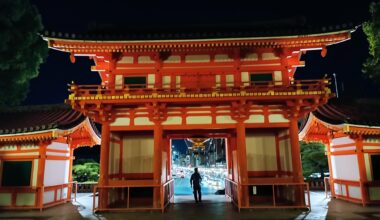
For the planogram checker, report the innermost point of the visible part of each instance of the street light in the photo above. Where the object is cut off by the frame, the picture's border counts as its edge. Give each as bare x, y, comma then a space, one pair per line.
336, 86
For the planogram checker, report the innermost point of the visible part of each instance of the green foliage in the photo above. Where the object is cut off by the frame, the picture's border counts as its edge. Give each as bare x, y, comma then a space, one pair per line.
85, 171
372, 29
21, 49
313, 158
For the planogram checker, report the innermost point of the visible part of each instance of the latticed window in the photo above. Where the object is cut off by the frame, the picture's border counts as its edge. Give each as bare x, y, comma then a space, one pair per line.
16, 173
261, 78
135, 81
375, 166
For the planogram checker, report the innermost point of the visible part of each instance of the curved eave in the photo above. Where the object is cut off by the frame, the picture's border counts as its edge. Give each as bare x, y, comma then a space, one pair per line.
311, 41
361, 129
45, 135
313, 121
91, 137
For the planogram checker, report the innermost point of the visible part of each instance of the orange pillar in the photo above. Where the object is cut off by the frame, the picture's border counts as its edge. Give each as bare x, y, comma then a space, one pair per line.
157, 163
242, 162
296, 161
104, 163
41, 173
331, 179
70, 189
229, 157
296, 152
278, 156
362, 170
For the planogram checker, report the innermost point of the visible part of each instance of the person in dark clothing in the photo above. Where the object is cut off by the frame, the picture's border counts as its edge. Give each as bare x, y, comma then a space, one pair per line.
195, 182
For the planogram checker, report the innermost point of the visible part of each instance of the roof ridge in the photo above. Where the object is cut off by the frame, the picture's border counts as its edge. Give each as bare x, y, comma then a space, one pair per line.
34, 108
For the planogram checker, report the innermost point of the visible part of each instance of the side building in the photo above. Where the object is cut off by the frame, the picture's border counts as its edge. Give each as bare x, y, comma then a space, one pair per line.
351, 134
226, 83
36, 154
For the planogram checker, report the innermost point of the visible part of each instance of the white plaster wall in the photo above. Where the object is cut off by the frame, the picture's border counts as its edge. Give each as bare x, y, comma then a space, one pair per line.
166, 81
345, 167
374, 193
337, 189
173, 59
56, 172
35, 172
342, 140
25, 199
222, 58
251, 57
285, 155
48, 197
114, 154
355, 192
119, 81
277, 118
151, 80
58, 146
126, 59
138, 154
173, 120
367, 166
198, 120
224, 119
261, 152
5, 199
143, 121
144, 59
121, 122
255, 119
197, 58
269, 56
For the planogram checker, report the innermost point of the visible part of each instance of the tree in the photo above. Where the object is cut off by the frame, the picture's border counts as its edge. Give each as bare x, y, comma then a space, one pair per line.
85, 171
313, 158
372, 29
22, 50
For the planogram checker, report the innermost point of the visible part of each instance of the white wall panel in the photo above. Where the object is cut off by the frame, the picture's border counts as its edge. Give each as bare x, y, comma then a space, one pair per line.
345, 167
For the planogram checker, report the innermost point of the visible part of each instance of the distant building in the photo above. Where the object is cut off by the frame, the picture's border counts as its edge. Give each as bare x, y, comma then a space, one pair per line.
36, 154
351, 133
234, 82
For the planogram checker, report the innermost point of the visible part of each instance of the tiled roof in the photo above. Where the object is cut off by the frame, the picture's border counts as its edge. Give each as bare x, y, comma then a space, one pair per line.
367, 113
287, 27
27, 119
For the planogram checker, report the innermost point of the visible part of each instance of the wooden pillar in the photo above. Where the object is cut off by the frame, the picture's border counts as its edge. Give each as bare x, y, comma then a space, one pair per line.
168, 144
41, 172
331, 179
242, 160
295, 150
229, 157
362, 169
71, 158
157, 163
104, 163
299, 194
278, 156
121, 158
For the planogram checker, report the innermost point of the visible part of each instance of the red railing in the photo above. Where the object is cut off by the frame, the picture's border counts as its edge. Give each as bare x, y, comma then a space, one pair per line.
276, 201
148, 90
39, 192
123, 201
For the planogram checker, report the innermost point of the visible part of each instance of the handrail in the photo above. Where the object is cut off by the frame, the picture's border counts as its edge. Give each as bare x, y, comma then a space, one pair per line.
274, 202
166, 89
132, 185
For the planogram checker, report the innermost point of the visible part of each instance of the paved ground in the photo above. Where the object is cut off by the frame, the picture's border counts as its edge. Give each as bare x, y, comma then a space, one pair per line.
213, 207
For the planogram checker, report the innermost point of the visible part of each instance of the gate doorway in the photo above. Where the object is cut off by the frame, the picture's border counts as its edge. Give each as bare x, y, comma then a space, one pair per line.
208, 154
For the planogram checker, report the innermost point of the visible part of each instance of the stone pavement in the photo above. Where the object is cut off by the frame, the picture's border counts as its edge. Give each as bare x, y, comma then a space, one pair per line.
213, 207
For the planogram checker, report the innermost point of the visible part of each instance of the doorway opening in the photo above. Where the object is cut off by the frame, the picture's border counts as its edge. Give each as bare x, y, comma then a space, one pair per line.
208, 154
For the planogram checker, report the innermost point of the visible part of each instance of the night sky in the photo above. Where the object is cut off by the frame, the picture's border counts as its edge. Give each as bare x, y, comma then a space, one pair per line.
344, 59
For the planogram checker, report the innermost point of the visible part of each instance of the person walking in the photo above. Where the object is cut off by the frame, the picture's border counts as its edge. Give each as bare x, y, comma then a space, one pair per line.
195, 183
